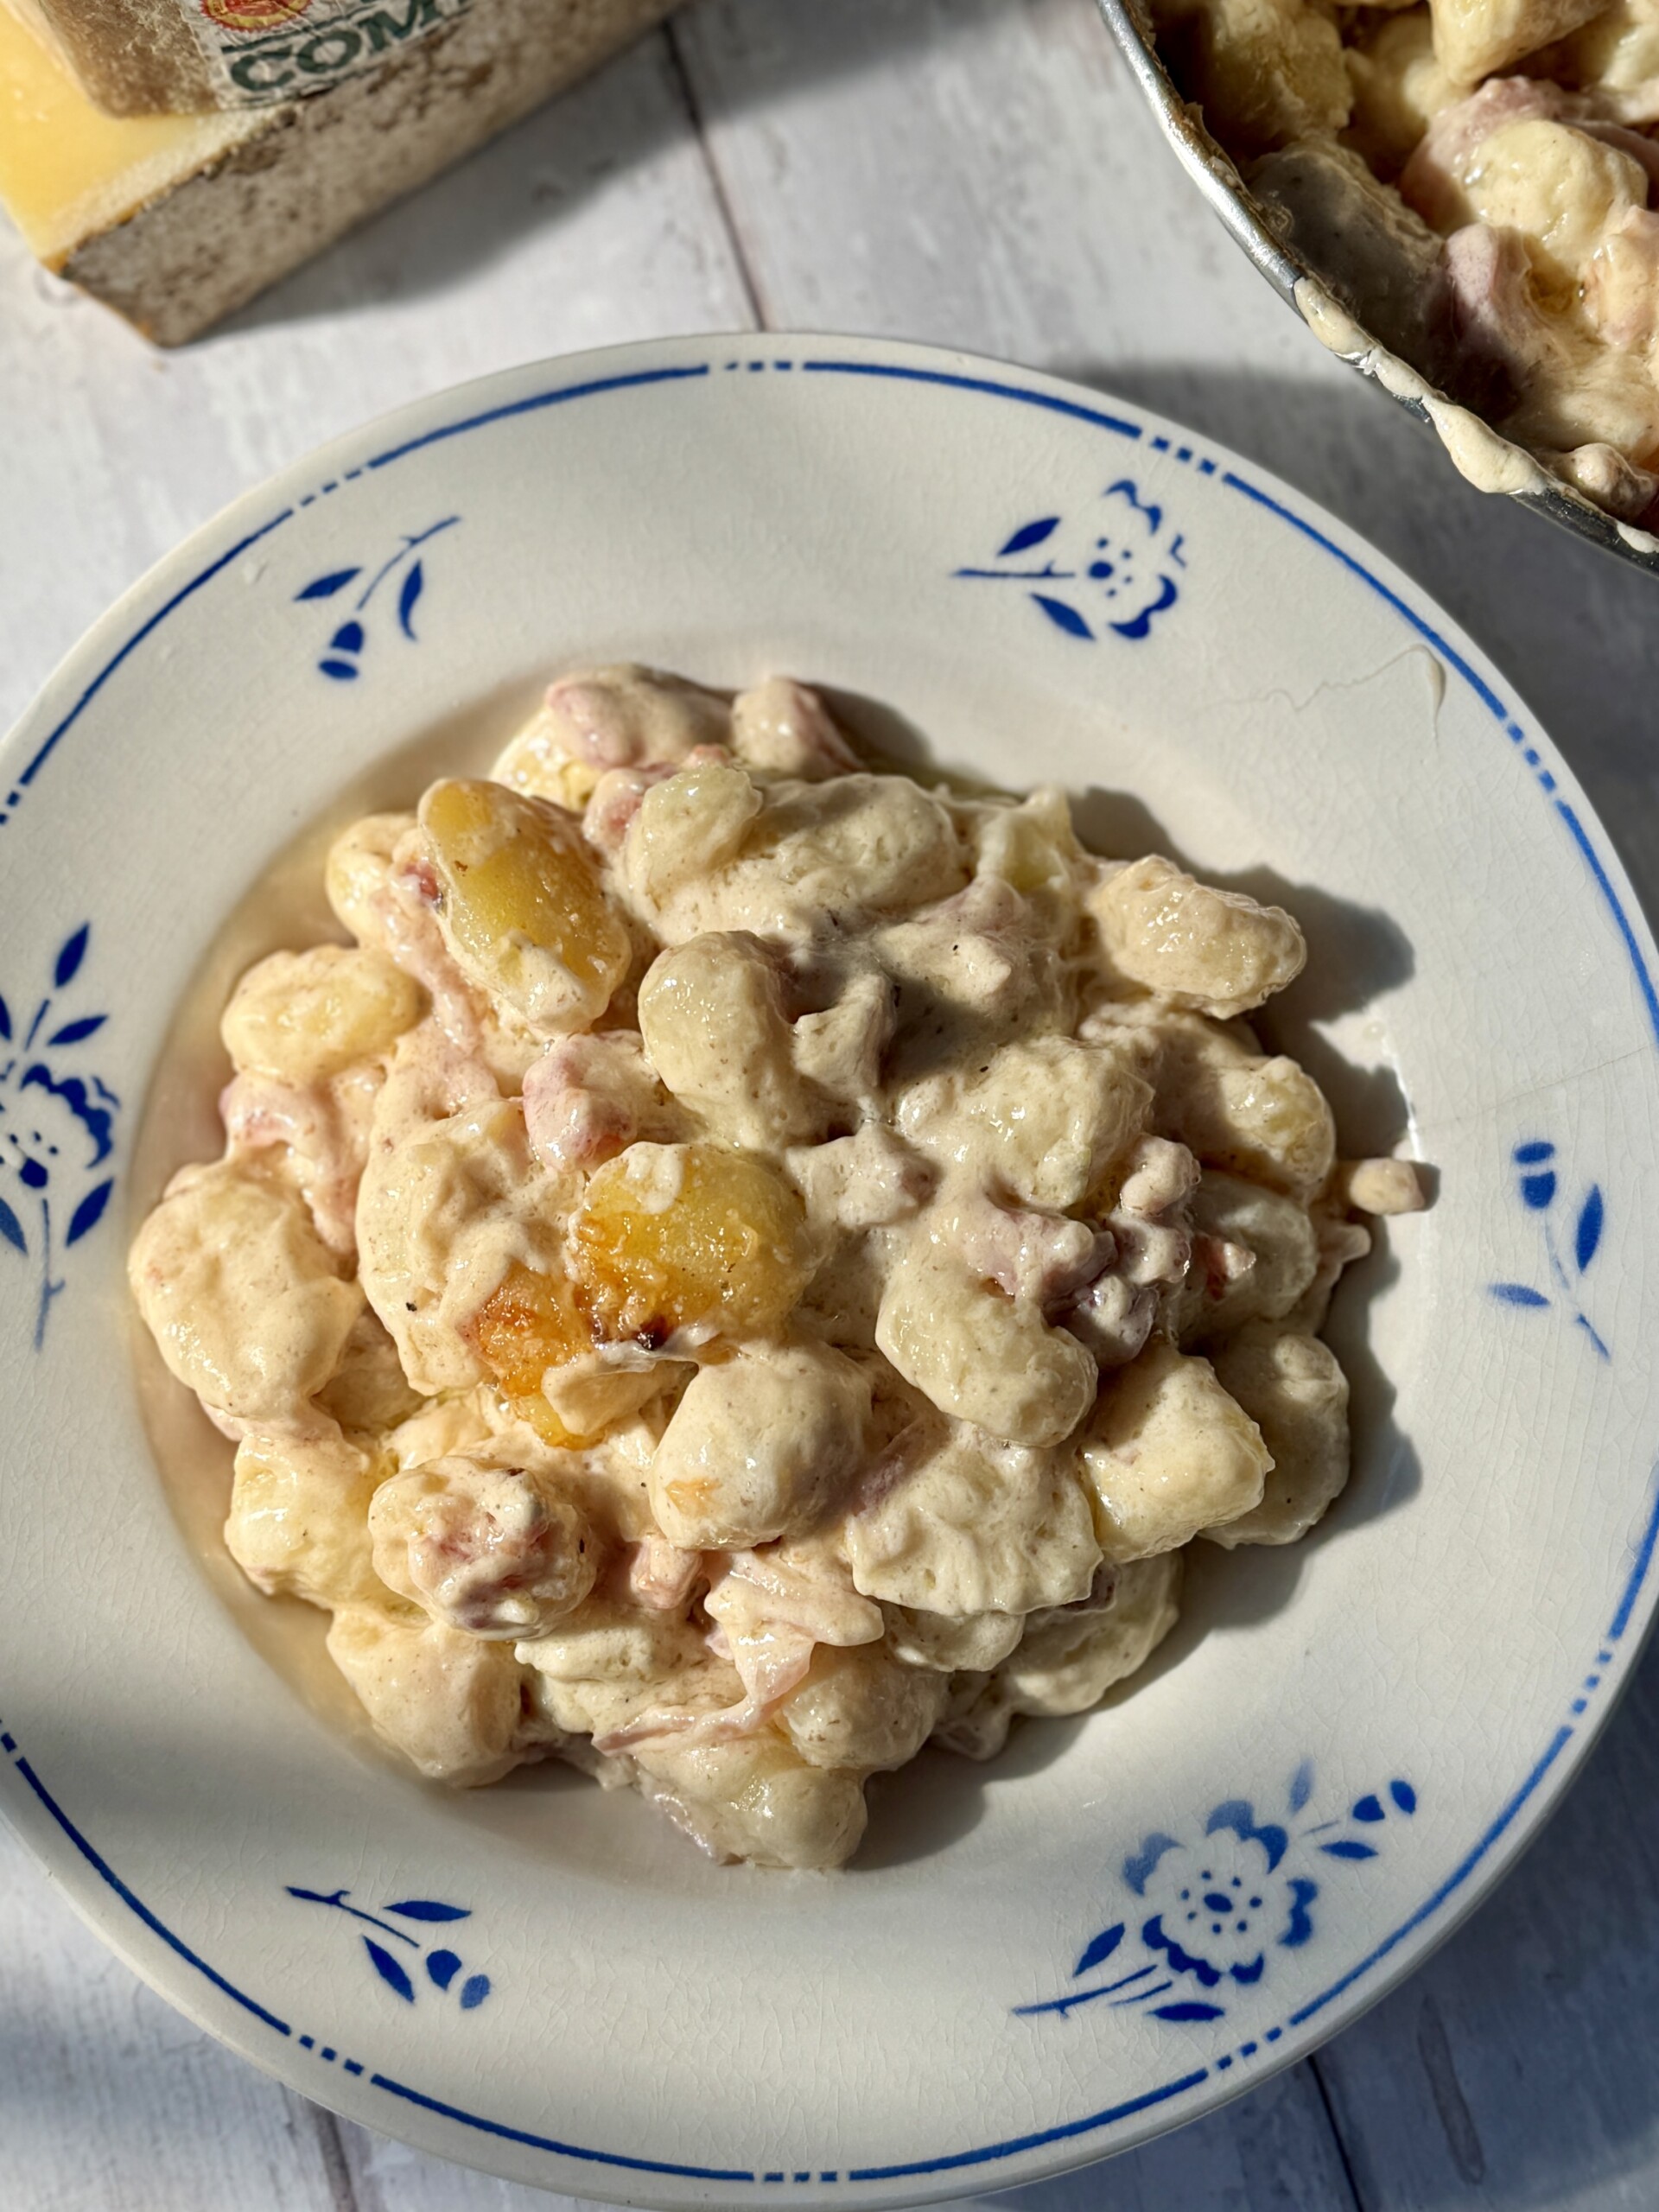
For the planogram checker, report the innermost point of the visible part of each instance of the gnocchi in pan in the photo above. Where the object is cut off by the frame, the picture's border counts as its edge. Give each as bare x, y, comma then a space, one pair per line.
1475, 179
745, 1265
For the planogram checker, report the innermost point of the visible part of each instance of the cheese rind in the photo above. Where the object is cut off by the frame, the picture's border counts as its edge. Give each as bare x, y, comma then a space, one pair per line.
130, 57
177, 221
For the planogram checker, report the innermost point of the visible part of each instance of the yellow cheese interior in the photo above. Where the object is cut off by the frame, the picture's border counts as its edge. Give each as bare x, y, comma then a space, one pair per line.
67, 169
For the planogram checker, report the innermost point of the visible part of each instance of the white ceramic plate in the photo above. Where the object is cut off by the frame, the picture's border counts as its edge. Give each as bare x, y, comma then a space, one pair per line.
1347, 1742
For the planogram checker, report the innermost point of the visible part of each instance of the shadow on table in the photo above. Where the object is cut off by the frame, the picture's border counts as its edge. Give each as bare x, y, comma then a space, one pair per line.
1518, 2068
620, 118
1514, 2073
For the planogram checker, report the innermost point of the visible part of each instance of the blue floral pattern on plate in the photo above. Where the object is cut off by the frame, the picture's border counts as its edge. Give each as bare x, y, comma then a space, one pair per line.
1192, 2073
1220, 1905
443, 1966
341, 657
57, 1128
1112, 569
1539, 1186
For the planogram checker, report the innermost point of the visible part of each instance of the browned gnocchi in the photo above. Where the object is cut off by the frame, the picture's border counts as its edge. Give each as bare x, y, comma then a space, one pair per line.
748, 1265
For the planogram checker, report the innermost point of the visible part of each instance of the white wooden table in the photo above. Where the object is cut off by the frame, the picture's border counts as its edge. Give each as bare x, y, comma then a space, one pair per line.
978, 172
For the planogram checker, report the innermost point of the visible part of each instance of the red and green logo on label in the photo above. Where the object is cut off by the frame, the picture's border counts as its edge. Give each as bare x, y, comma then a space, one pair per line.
263, 52
253, 14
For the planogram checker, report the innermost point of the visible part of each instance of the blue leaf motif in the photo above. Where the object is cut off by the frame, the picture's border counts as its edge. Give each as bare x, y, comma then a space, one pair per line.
1099, 1946
12, 1230
325, 587
1369, 1809
428, 1908
348, 638
1063, 617
1349, 1847
87, 1215
5, 1019
1539, 1185
72, 1033
390, 1972
1301, 1785
474, 1991
1030, 534
1189, 2009
1587, 1235
343, 672
1403, 1796
72, 952
414, 585
441, 1968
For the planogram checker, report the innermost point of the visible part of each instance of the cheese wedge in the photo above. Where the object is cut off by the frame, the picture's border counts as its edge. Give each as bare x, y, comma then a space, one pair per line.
175, 220
67, 171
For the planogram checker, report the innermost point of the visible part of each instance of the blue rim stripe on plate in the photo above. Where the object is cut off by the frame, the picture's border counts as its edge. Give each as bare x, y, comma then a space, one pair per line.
1050, 401
149, 1919
1642, 1562
1592, 860
1621, 1619
1032, 2142
533, 405
548, 2143
1455, 1880
136, 639
1482, 690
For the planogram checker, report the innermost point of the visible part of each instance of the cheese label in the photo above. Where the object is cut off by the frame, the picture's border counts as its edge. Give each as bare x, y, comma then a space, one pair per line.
263, 52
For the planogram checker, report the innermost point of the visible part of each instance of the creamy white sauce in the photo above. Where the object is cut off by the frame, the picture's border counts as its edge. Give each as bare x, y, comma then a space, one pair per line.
1479, 453
840, 1362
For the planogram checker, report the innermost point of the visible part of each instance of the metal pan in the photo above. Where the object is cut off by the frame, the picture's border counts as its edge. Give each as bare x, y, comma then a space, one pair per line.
1474, 449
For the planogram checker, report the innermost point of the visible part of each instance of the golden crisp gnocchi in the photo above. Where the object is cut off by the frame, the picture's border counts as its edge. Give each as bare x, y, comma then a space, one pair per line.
746, 1265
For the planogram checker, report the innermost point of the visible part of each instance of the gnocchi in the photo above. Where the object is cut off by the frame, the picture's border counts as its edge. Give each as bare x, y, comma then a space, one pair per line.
304, 1016
1168, 1453
747, 1266
1475, 179
759, 1447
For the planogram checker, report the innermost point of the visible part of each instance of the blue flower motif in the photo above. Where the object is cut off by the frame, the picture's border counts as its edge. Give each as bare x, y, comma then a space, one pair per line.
1217, 1904
57, 1129
340, 659
1117, 566
1222, 1904
1538, 1185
